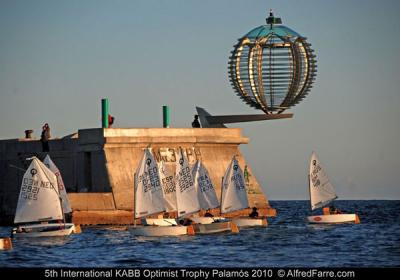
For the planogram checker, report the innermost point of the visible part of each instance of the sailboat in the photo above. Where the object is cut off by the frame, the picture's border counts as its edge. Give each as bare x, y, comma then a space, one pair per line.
167, 180
39, 205
149, 200
234, 196
182, 194
208, 200
66, 206
322, 193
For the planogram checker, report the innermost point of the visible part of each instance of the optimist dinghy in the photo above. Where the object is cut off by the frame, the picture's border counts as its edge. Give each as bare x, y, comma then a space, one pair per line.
322, 193
234, 196
149, 200
39, 209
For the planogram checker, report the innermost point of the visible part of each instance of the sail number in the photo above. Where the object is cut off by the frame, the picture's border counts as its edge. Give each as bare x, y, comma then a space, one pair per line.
30, 188
185, 181
150, 180
238, 181
205, 183
314, 176
169, 184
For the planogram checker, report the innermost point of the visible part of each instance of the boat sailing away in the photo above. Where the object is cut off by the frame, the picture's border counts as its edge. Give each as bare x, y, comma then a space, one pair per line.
39, 209
234, 196
149, 200
322, 193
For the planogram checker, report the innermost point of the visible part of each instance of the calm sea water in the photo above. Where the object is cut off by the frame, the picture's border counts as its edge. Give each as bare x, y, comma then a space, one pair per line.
287, 241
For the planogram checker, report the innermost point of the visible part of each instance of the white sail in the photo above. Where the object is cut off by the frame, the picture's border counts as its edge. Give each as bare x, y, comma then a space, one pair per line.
321, 190
186, 194
66, 206
168, 184
205, 189
148, 191
38, 198
234, 194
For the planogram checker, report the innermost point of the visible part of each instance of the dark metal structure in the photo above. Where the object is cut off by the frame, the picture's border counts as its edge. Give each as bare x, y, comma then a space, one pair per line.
272, 67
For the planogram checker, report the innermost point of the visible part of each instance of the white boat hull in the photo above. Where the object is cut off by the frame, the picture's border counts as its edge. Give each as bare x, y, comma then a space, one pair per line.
44, 230
334, 219
158, 231
250, 222
159, 222
216, 227
207, 220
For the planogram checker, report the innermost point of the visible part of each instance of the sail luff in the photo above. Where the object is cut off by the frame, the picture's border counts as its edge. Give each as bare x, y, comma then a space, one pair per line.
309, 190
134, 198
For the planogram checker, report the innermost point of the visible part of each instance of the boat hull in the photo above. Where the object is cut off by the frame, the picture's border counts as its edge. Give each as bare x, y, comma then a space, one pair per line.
159, 222
250, 222
334, 219
44, 230
158, 231
216, 227
207, 220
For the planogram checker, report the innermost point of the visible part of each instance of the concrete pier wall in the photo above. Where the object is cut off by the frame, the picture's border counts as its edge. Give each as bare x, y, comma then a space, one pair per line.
98, 166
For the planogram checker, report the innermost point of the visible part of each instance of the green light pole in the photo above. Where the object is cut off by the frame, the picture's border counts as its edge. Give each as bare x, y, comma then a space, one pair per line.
104, 113
166, 116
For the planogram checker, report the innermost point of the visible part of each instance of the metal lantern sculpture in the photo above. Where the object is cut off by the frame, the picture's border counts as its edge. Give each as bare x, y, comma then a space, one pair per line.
272, 67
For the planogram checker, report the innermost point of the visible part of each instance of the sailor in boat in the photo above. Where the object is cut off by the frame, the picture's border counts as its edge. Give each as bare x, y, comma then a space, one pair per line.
254, 213
333, 210
186, 222
208, 214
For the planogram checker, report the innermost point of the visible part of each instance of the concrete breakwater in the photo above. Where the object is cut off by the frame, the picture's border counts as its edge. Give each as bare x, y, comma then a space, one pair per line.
98, 165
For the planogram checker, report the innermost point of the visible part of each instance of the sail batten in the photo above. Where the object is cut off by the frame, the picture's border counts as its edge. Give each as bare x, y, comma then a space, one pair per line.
322, 191
234, 193
38, 198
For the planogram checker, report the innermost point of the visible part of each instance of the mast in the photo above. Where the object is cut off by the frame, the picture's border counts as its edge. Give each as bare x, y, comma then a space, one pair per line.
220, 201
309, 180
134, 198
309, 189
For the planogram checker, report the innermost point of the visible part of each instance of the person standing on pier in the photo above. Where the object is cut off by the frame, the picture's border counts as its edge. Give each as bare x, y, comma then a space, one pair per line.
196, 122
44, 138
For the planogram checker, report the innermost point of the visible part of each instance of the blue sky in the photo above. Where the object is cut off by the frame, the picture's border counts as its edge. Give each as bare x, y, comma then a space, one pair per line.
59, 58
